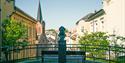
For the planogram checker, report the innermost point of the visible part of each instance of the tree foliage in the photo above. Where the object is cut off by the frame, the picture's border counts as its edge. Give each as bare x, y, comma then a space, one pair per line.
14, 33
94, 43
66, 30
118, 44
117, 40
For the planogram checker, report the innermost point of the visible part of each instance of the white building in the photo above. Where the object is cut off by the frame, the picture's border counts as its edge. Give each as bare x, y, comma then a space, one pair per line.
97, 21
115, 16
82, 25
92, 22
51, 35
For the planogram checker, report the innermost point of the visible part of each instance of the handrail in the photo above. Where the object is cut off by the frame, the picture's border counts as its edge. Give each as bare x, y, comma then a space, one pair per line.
31, 49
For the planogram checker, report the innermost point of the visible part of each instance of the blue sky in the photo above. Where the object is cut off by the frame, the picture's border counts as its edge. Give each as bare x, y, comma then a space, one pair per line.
58, 13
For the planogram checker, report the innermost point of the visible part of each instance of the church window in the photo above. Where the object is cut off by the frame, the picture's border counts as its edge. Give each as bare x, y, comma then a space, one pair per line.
39, 30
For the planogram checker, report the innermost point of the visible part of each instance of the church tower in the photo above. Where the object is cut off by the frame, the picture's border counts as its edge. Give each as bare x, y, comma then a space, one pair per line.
42, 39
39, 13
40, 18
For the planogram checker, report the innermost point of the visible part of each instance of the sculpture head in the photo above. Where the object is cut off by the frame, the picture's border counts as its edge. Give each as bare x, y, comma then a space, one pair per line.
62, 29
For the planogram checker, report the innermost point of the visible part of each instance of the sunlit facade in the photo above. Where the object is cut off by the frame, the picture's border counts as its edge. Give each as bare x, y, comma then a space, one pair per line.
115, 16
111, 19
6, 8
30, 23
83, 26
97, 21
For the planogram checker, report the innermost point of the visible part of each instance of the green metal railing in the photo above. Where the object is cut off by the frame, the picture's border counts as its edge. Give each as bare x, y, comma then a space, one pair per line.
94, 53
88, 53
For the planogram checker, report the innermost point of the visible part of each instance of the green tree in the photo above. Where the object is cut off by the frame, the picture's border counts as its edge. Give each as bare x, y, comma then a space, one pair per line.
66, 30
14, 36
118, 46
94, 44
14, 33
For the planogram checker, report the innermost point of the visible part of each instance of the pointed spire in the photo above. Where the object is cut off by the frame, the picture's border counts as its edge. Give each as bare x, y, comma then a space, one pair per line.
39, 13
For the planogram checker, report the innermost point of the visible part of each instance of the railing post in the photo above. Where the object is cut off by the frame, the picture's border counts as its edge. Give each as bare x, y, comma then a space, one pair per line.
62, 46
37, 51
85, 54
42, 57
109, 53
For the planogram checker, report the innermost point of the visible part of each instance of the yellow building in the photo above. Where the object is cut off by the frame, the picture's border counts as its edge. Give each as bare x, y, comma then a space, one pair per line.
35, 27
9, 10
23, 18
6, 8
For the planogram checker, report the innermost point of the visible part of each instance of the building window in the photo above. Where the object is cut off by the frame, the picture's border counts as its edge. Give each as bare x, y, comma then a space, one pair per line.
107, 1
91, 24
13, 17
30, 31
95, 20
34, 32
102, 22
9, 0
95, 26
82, 29
8, 15
102, 18
96, 23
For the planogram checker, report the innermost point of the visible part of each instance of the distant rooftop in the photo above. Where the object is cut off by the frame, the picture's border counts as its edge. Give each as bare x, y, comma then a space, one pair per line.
18, 9
85, 18
92, 16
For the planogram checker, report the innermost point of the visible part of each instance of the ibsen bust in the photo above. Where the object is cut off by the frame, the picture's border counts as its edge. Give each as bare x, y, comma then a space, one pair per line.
62, 33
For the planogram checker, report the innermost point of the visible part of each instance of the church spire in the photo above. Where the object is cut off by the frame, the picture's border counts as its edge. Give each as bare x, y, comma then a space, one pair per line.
39, 13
